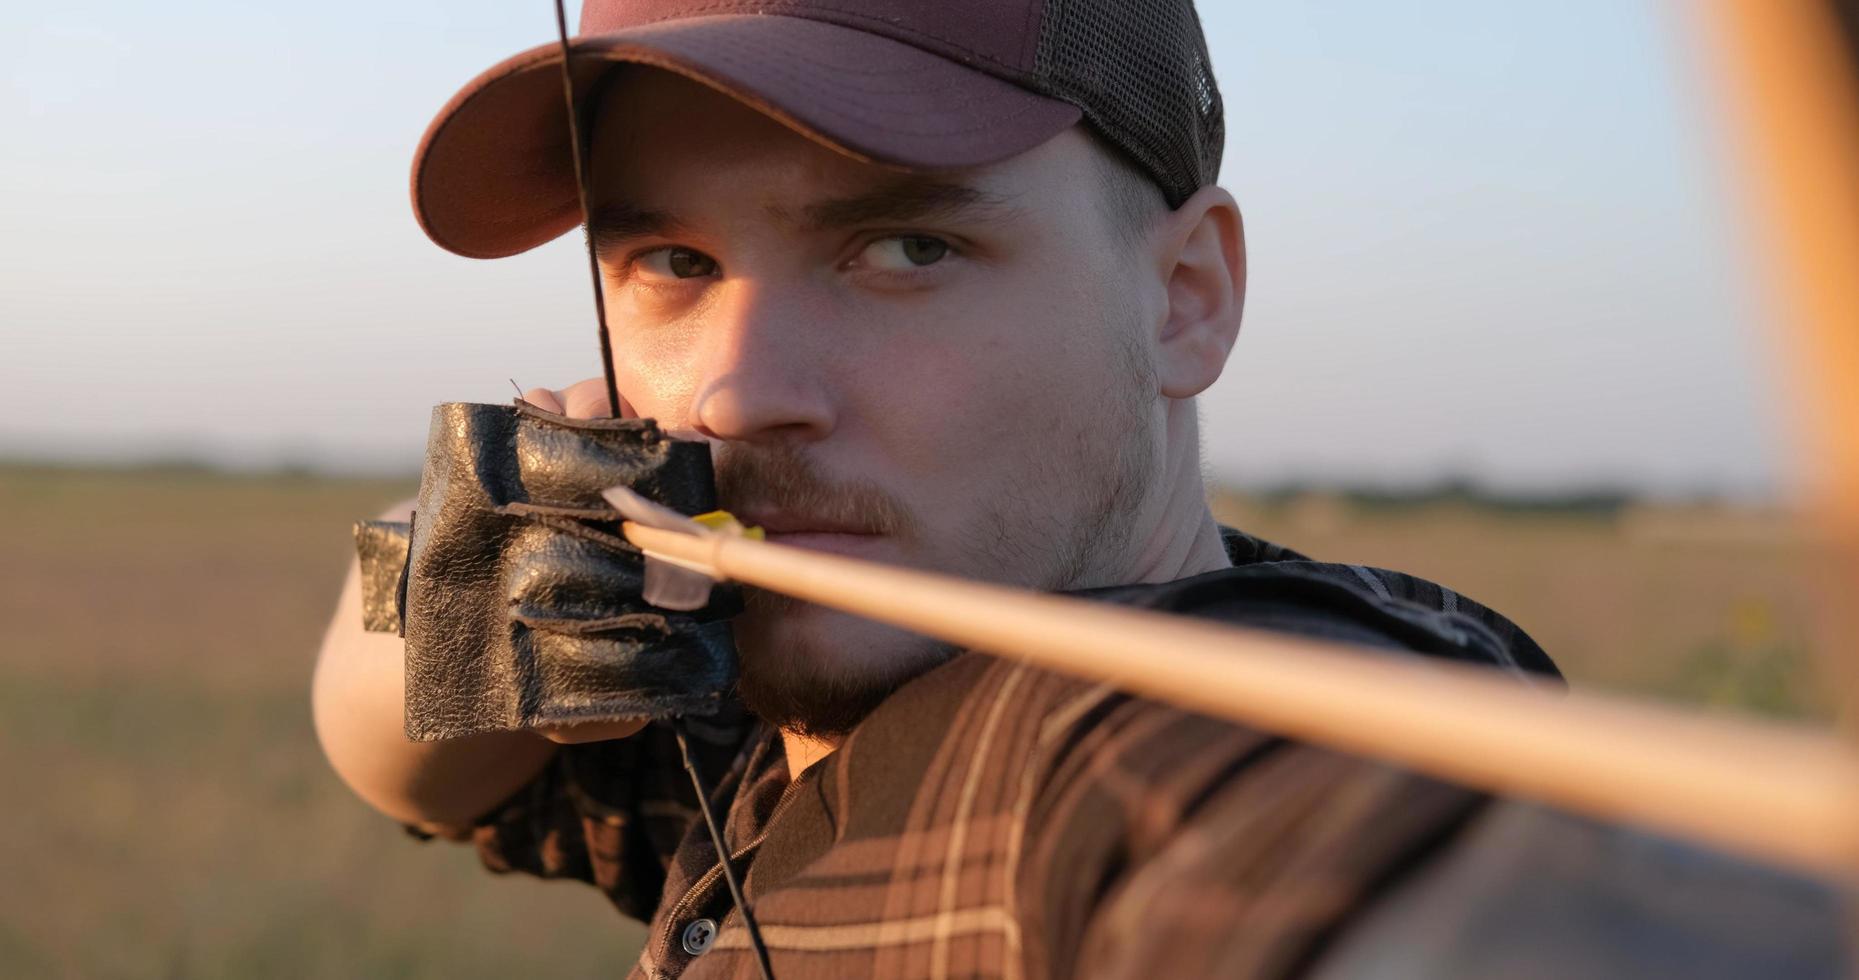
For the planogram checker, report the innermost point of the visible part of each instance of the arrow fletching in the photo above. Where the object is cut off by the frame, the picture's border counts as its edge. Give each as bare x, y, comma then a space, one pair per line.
634, 507
668, 584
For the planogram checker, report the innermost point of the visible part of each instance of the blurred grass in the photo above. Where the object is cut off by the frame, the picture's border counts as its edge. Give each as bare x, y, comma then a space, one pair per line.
1700, 604
171, 816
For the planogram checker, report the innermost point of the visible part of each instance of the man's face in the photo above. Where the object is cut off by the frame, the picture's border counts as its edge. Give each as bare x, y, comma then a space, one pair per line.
947, 373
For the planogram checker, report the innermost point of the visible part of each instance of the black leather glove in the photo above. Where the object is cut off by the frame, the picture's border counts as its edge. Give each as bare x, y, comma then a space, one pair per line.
521, 601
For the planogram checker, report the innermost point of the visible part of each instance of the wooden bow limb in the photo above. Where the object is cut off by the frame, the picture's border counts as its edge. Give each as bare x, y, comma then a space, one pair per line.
1767, 791
1790, 89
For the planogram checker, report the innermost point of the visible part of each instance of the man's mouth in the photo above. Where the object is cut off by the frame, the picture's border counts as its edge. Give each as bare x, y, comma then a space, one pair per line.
815, 533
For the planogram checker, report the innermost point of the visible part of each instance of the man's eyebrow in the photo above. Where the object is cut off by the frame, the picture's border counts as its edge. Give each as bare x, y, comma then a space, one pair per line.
910, 199
615, 222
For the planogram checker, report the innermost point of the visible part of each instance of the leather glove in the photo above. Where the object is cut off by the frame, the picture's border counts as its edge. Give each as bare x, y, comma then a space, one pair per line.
519, 600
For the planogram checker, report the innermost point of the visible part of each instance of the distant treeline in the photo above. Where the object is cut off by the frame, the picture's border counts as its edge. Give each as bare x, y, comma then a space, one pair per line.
192, 466
1600, 502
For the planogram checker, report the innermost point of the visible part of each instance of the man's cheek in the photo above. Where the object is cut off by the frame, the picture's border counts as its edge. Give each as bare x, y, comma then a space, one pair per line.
656, 390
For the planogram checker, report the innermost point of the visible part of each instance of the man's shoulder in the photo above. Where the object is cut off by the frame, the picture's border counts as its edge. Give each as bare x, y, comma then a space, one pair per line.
1268, 587
1527, 891
1124, 821
1030, 729
1078, 727
1273, 587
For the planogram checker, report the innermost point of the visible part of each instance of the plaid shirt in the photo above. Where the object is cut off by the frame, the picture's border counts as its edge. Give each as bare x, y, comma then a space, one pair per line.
991, 819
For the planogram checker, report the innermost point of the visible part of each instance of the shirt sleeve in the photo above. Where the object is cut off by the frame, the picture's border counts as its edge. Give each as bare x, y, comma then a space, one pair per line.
608, 813
1529, 891
1252, 878
1175, 844
1164, 842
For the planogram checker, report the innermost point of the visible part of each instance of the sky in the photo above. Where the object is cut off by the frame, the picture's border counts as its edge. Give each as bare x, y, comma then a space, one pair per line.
1497, 241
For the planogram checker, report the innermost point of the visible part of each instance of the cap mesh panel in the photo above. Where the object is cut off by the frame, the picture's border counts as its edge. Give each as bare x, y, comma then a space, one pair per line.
1139, 70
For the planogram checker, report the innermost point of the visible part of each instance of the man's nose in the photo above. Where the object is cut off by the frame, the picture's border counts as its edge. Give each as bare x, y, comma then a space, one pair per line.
760, 375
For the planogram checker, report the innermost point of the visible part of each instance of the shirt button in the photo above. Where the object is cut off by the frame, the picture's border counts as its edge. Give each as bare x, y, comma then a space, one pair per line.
699, 935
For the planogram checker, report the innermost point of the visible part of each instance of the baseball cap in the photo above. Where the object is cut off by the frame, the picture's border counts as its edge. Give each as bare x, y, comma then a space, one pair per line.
913, 84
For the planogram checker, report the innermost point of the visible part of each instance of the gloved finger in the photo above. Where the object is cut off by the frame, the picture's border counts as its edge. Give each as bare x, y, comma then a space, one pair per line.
585, 649
569, 461
570, 679
499, 455
550, 574
571, 582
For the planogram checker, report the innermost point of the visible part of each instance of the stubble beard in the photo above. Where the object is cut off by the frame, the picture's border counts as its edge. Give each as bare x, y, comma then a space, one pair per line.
802, 686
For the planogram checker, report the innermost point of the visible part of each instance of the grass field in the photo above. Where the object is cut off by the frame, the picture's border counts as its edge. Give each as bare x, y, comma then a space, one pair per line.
169, 814
1695, 604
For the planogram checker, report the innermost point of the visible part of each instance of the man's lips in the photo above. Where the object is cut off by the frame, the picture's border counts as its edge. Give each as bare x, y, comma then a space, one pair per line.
832, 542
814, 533
776, 521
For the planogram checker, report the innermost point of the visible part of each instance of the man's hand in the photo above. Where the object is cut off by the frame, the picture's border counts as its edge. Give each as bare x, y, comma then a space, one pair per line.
581, 400
359, 701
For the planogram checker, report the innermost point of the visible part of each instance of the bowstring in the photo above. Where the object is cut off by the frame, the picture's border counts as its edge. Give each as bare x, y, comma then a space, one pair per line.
680, 729
577, 150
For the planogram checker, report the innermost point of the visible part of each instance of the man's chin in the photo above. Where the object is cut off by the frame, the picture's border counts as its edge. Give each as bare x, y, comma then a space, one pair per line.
819, 672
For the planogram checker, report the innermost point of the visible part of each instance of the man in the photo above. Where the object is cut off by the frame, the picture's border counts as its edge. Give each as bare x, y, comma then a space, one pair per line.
939, 283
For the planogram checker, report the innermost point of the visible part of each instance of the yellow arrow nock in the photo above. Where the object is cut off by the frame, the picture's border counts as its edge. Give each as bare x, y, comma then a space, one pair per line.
726, 522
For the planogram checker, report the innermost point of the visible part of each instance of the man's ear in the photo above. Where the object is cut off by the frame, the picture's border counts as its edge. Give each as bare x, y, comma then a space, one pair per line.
1201, 248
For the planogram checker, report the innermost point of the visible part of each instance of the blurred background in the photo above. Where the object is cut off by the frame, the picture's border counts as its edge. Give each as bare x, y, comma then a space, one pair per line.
1503, 331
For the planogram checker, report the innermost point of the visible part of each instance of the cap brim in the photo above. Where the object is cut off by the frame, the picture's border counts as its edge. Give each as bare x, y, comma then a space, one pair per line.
493, 175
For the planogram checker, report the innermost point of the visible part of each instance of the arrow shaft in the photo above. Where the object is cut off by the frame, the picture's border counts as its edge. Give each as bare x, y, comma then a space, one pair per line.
1768, 791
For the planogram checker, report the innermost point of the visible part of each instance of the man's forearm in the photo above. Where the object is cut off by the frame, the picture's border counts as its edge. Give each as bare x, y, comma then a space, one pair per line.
358, 698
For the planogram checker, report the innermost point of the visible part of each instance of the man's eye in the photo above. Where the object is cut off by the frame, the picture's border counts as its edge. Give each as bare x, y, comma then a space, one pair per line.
674, 263
901, 253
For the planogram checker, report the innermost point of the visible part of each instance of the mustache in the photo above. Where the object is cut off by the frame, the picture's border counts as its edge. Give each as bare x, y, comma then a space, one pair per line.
784, 478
